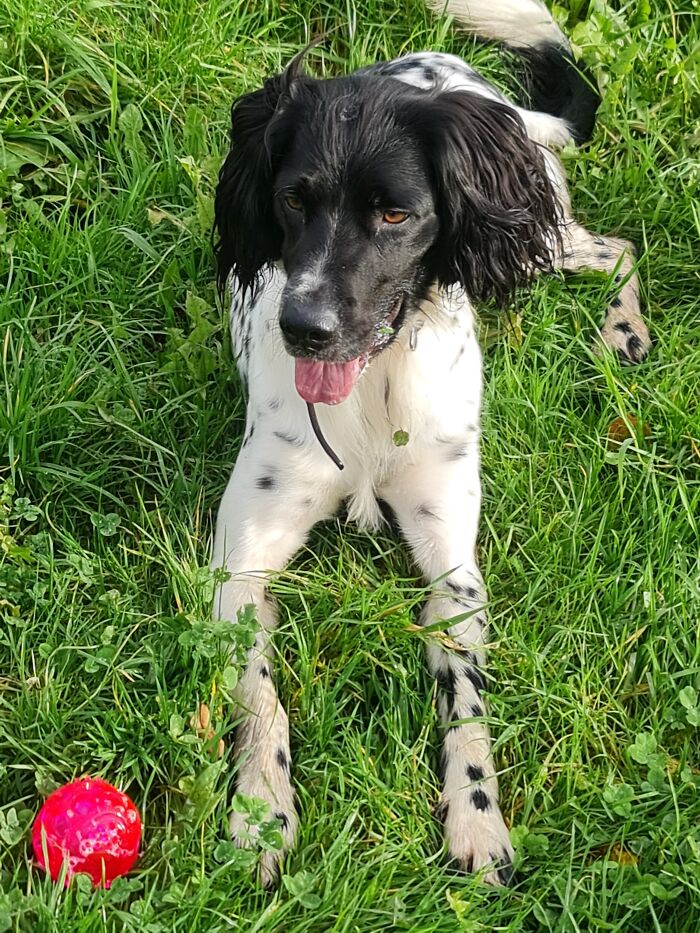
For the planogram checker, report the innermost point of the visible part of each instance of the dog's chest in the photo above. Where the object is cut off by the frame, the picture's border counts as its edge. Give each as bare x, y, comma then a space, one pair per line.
413, 401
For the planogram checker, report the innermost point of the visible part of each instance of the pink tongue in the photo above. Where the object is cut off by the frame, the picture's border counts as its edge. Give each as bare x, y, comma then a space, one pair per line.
329, 383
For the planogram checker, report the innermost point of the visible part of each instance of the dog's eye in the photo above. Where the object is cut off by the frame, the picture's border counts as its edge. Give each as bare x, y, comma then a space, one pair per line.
293, 202
394, 217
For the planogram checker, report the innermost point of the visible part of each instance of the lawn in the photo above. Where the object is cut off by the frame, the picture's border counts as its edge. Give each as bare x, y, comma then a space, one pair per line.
121, 415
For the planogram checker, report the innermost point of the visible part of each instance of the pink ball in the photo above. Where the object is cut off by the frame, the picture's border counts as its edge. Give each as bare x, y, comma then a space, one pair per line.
92, 826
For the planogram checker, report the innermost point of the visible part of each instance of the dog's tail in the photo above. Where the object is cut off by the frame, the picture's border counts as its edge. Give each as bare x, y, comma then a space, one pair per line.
556, 83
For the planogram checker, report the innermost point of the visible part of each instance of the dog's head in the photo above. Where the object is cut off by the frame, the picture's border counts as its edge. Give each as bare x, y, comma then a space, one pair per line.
370, 190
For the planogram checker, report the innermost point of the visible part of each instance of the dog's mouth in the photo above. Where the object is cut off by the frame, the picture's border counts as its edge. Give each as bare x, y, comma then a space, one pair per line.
331, 383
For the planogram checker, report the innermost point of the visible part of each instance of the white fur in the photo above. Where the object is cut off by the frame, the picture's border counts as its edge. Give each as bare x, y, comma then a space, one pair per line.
432, 393
517, 23
451, 73
426, 384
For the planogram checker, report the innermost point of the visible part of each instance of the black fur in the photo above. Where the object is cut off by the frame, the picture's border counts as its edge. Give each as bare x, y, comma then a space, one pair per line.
249, 237
556, 83
495, 202
481, 209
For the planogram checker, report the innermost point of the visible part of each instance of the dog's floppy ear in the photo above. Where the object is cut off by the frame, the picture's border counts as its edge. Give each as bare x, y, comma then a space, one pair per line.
497, 208
249, 236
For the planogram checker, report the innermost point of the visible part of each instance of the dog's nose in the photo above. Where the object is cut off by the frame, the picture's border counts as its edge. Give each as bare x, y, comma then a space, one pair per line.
308, 326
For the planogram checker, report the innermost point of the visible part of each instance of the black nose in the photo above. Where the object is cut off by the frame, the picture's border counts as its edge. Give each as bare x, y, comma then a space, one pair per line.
307, 325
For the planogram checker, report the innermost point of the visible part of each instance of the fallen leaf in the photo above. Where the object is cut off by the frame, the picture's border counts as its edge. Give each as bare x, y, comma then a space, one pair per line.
617, 854
619, 430
622, 856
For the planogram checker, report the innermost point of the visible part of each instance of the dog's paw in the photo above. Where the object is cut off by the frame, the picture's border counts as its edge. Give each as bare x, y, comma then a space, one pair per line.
477, 839
627, 336
249, 830
269, 861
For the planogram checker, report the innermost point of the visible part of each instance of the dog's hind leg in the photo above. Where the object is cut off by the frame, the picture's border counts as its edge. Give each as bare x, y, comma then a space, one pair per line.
264, 517
437, 506
623, 330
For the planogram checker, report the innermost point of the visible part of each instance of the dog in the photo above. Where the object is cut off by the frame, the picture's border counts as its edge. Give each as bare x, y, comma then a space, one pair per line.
360, 219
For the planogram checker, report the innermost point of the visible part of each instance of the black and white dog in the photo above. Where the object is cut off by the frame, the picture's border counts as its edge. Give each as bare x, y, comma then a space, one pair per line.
359, 220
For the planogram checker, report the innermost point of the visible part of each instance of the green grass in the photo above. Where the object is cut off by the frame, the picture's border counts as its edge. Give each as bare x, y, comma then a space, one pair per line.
121, 415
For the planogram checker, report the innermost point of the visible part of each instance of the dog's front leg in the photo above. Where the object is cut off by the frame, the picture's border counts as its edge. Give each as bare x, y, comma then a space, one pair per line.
437, 505
264, 518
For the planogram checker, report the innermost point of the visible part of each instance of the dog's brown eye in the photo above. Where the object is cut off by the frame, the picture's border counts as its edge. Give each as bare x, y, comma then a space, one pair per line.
394, 217
293, 202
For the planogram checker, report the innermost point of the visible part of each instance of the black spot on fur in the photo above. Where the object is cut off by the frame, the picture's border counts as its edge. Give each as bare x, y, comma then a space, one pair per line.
292, 439
442, 765
264, 670
635, 349
624, 327
282, 759
283, 818
460, 354
275, 403
475, 773
477, 711
456, 452
458, 866
468, 592
388, 514
480, 799
476, 678
265, 482
505, 872
400, 67
441, 810
249, 436
616, 303
446, 682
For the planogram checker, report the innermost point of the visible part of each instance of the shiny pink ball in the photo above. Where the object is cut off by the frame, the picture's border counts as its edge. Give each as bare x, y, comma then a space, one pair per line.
91, 826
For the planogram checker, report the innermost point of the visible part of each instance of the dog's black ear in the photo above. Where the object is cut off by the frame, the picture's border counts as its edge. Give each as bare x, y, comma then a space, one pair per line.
249, 236
497, 207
